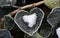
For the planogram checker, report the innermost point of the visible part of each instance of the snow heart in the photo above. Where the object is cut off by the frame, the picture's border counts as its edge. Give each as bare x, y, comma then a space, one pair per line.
22, 20
30, 19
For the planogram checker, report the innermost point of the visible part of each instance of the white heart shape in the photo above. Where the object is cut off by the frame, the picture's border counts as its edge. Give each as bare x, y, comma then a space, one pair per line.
30, 19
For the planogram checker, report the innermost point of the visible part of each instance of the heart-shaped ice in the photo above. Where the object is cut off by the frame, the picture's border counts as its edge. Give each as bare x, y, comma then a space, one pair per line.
30, 19
24, 18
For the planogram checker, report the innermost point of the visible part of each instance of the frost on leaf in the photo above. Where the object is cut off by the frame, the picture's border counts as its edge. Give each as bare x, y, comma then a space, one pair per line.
22, 17
9, 23
7, 2
5, 33
54, 17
